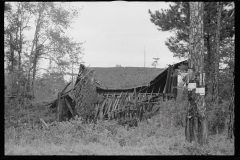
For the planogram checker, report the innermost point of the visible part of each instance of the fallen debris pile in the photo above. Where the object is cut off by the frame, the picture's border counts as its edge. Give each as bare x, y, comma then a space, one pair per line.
79, 100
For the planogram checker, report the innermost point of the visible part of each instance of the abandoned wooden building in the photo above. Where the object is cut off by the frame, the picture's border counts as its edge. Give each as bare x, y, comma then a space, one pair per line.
122, 92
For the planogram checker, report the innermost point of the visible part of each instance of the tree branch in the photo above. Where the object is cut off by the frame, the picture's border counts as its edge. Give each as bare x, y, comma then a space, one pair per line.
44, 69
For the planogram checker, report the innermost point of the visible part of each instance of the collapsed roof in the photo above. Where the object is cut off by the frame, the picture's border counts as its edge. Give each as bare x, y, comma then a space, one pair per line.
118, 79
143, 79
125, 77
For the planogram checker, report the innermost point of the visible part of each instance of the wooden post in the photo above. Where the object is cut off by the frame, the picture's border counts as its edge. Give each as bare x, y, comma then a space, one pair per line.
121, 105
174, 86
113, 106
58, 107
170, 81
116, 106
146, 93
149, 106
139, 106
108, 100
125, 107
97, 109
143, 107
167, 80
113, 101
108, 109
69, 107
152, 92
114, 111
159, 89
101, 110
106, 103
136, 100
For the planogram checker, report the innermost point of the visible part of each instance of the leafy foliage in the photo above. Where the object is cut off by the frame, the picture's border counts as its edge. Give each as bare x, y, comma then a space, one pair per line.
48, 86
174, 19
51, 41
177, 18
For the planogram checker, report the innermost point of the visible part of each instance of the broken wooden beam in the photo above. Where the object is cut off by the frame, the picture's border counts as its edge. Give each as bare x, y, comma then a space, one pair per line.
96, 111
69, 107
65, 87
44, 123
101, 110
83, 77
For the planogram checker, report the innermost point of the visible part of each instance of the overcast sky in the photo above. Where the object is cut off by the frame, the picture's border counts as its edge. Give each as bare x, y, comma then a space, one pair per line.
117, 32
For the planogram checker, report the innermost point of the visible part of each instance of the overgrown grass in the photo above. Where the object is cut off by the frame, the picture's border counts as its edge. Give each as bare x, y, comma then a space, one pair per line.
16, 115
163, 134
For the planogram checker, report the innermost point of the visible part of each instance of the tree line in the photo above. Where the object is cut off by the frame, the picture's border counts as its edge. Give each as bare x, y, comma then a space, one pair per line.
36, 31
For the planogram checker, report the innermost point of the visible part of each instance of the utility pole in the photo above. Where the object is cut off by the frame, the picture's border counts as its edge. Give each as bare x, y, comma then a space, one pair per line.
144, 57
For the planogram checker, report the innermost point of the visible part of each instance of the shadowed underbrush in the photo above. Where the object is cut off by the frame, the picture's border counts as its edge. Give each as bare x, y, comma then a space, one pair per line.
163, 134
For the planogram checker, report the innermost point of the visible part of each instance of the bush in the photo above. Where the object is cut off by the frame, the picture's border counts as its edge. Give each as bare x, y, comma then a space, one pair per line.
172, 113
217, 117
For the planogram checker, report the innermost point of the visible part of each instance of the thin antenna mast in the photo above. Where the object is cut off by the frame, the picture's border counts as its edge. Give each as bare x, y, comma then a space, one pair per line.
144, 56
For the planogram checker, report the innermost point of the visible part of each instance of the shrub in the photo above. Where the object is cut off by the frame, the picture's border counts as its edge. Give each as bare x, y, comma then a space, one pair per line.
217, 117
172, 113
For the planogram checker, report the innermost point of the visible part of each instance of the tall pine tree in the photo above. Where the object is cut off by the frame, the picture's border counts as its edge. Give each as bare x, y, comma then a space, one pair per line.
177, 19
196, 122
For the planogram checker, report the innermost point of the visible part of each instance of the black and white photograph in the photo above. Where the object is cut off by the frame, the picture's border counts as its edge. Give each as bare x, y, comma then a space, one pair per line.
119, 78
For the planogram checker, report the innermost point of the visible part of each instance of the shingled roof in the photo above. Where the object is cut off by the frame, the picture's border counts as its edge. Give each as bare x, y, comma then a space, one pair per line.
125, 77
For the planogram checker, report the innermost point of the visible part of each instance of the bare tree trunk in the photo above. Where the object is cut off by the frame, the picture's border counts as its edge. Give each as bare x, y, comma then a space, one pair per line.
208, 68
19, 50
196, 122
34, 75
37, 49
35, 60
31, 58
19, 43
20, 39
11, 53
215, 97
32, 53
72, 76
231, 114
